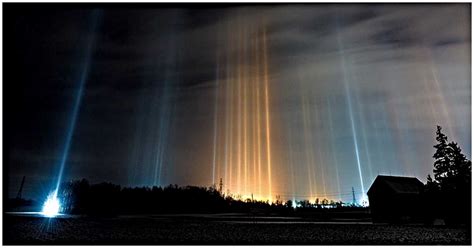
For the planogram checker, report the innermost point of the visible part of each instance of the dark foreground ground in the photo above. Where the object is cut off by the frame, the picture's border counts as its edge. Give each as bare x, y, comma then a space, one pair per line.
219, 229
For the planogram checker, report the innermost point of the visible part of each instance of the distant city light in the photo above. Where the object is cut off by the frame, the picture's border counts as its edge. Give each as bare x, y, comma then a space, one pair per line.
52, 205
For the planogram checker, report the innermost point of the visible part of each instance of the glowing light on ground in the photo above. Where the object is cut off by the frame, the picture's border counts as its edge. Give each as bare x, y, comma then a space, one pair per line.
364, 201
51, 206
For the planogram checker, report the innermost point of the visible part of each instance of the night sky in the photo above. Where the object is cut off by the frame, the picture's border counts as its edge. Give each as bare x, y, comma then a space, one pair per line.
300, 101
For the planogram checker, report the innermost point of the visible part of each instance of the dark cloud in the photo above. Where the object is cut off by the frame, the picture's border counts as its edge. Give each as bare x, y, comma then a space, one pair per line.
394, 33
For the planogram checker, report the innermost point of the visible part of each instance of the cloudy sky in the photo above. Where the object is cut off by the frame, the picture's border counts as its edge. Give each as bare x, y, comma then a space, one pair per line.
301, 101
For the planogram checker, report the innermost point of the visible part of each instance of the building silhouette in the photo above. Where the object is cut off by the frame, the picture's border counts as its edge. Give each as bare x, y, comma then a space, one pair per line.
395, 199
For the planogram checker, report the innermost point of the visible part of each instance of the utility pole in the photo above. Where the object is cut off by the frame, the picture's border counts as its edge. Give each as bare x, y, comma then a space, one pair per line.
18, 196
353, 196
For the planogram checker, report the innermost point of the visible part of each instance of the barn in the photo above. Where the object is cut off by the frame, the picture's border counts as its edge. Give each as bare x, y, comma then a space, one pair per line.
395, 199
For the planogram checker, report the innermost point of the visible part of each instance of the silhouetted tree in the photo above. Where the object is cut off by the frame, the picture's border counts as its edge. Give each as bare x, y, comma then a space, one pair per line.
431, 185
461, 172
441, 156
451, 167
305, 204
278, 200
450, 190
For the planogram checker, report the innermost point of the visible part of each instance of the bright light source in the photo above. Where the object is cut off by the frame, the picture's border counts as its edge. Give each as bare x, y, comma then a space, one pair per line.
364, 201
52, 206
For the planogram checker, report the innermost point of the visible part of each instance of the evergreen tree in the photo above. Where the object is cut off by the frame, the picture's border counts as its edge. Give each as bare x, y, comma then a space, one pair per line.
431, 185
461, 168
449, 193
442, 164
452, 170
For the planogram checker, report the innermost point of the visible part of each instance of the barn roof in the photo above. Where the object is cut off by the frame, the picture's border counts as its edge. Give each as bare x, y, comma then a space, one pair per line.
401, 185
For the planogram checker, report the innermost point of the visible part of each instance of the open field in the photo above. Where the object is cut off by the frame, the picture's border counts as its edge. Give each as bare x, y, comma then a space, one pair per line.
218, 229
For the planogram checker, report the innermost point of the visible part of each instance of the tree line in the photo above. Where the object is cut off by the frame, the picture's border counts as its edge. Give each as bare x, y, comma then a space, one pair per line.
81, 197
